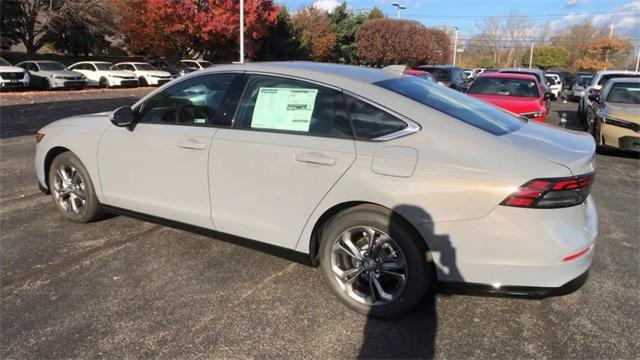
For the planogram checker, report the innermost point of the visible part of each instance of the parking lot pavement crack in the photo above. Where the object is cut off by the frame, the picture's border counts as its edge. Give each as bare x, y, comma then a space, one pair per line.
10, 282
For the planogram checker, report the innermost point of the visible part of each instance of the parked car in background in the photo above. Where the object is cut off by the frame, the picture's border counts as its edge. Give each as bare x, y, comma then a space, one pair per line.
99, 73
469, 73
517, 93
447, 75
388, 182
539, 74
196, 64
599, 78
146, 74
555, 84
174, 67
12, 77
614, 120
421, 74
579, 87
50, 75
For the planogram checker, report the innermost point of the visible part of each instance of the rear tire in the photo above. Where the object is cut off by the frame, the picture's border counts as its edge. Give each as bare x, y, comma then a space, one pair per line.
388, 275
72, 190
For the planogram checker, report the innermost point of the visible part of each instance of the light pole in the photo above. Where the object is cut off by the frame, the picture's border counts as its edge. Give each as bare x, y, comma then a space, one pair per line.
531, 55
455, 44
241, 31
398, 7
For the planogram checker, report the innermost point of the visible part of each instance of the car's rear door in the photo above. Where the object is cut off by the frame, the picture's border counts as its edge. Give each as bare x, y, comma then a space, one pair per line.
291, 142
160, 166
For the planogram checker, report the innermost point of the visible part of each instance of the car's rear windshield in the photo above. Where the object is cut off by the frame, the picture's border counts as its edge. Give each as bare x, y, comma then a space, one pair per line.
524, 73
504, 87
624, 93
458, 105
442, 75
51, 66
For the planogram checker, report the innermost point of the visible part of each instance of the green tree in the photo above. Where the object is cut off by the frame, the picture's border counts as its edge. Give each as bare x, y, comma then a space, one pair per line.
345, 24
375, 13
281, 42
546, 57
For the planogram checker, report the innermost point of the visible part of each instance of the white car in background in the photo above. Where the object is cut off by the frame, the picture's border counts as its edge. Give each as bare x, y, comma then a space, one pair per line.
12, 77
146, 73
598, 80
197, 64
555, 84
99, 73
359, 168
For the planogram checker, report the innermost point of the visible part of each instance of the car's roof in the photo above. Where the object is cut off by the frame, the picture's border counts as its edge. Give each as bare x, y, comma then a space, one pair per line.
92, 62
333, 74
43, 61
608, 72
507, 75
438, 66
526, 70
132, 62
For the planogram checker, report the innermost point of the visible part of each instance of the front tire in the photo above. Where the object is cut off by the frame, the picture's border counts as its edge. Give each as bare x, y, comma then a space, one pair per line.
143, 81
374, 261
72, 190
104, 83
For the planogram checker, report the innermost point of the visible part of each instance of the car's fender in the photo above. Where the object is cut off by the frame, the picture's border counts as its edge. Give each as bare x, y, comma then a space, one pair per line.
80, 135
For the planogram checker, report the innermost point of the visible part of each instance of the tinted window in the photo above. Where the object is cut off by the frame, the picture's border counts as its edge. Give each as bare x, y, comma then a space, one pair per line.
504, 87
292, 106
103, 66
460, 106
604, 78
370, 122
624, 93
442, 75
51, 66
143, 66
196, 101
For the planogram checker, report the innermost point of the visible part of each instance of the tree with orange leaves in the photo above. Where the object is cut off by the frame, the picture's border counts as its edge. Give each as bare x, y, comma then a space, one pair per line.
189, 28
313, 28
599, 53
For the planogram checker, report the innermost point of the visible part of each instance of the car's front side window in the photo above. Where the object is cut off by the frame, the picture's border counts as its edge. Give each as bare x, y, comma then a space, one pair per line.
271, 103
197, 101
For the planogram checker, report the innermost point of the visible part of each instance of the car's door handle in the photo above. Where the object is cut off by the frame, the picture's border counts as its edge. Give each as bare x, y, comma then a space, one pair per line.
315, 158
192, 144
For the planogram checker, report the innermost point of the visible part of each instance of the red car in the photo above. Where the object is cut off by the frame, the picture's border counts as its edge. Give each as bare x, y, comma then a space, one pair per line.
421, 74
518, 93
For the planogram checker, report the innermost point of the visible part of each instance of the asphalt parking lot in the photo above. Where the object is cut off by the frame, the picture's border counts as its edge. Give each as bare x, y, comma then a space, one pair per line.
123, 287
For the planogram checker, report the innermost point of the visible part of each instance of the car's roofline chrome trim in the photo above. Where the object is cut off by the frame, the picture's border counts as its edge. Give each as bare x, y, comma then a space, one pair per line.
412, 126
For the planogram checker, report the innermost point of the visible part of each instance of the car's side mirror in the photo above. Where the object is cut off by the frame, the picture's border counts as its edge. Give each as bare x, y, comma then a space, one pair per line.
594, 97
548, 95
122, 116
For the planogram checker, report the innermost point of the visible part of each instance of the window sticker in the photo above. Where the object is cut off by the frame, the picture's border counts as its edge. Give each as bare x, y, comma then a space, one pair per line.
284, 109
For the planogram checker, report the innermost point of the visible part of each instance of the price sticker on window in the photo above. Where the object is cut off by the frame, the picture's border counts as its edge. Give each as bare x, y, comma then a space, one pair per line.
284, 109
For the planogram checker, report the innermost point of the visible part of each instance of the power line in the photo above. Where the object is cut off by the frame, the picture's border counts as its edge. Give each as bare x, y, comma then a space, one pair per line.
523, 16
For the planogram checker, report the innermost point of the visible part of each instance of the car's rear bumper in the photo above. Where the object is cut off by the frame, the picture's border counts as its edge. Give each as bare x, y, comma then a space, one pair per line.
515, 246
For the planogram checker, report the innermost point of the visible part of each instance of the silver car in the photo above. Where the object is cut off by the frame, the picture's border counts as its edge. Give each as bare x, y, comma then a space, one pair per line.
50, 75
390, 183
579, 87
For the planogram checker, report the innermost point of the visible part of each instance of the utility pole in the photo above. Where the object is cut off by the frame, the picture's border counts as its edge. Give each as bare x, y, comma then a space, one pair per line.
455, 44
638, 60
606, 54
531, 55
241, 31
398, 7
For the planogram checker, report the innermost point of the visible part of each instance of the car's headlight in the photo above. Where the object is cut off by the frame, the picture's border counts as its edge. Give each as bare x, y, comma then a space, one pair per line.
532, 115
621, 123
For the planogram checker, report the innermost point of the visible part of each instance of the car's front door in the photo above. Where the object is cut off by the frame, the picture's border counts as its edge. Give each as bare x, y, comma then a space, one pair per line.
291, 142
159, 167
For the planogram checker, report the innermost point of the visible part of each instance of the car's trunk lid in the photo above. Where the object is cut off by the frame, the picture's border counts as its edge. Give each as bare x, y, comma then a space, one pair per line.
572, 149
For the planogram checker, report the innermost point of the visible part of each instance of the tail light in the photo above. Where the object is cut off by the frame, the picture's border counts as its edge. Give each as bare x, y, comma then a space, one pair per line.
551, 193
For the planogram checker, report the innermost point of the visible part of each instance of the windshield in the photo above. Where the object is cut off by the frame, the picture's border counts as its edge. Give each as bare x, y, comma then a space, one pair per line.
607, 77
504, 87
103, 66
144, 67
458, 105
204, 64
584, 80
51, 66
4, 62
624, 93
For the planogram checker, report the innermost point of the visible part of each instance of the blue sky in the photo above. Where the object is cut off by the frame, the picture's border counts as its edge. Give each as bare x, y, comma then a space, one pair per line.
625, 14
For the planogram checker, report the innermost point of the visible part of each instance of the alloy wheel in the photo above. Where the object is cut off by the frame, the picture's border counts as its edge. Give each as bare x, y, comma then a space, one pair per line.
69, 189
369, 266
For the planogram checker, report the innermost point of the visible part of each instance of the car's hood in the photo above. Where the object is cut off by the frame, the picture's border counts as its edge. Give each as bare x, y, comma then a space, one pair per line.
515, 104
572, 149
89, 121
628, 112
6, 69
154, 72
66, 73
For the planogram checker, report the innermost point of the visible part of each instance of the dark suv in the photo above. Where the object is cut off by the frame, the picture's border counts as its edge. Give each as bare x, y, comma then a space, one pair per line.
447, 75
174, 67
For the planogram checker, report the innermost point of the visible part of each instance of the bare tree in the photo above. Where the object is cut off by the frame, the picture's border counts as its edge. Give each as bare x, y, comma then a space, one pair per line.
502, 37
30, 21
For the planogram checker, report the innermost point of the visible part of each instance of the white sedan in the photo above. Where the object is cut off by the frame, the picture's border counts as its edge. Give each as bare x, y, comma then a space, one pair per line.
146, 74
99, 73
389, 182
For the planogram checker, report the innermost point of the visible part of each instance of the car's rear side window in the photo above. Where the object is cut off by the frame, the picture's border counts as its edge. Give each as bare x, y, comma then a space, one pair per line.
273, 103
458, 105
370, 122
